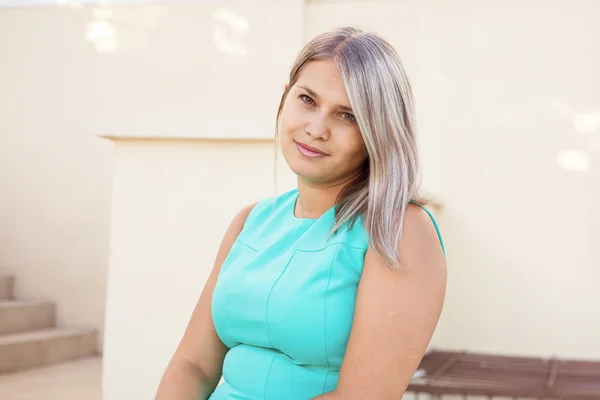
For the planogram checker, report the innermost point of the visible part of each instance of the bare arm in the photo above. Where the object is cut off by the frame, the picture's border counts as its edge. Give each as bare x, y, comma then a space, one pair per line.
396, 313
196, 367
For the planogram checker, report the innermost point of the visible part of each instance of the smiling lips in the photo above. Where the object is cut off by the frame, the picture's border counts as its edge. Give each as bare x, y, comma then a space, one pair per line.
309, 151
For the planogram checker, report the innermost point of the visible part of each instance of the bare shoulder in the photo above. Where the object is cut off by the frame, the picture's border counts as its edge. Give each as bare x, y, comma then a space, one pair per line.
416, 219
420, 246
420, 239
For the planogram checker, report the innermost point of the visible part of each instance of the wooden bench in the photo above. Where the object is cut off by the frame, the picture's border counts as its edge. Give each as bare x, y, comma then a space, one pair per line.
463, 373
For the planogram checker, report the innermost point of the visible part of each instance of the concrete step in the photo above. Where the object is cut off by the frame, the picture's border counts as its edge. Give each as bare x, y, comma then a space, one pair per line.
22, 316
35, 349
7, 287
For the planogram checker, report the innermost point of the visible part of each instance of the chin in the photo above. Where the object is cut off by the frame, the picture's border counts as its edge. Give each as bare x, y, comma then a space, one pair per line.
307, 172
302, 171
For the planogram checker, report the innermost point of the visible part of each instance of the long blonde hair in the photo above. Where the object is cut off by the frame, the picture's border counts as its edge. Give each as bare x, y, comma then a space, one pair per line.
381, 98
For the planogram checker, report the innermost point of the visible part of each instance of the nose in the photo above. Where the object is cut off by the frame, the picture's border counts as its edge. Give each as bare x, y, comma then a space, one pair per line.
317, 128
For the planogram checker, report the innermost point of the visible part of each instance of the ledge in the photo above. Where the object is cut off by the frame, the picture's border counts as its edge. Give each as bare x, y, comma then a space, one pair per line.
434, 205
150, 137
110, 3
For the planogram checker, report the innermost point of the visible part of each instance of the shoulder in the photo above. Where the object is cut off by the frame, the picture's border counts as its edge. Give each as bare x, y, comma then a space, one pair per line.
242, 215
263, 208
395, 305
268, 205
238, 222
420, 226
421, 245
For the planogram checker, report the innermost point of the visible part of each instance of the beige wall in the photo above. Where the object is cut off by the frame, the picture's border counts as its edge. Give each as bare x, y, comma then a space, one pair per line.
77, 72
55, 175
508, 109
496, 119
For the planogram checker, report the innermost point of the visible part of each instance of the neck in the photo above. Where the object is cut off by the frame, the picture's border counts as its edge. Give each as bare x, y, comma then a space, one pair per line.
315, 199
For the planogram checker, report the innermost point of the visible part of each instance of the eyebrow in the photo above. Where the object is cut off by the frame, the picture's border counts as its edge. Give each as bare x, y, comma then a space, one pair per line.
314, 94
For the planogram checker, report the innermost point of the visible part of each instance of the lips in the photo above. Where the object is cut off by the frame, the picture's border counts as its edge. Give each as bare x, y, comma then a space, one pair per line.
310, 151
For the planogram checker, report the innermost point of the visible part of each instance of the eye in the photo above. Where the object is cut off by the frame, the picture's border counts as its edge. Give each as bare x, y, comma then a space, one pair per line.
306, 99
349, 117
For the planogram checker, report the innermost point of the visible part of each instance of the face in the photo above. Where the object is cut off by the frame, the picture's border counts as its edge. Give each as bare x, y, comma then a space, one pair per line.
318, 132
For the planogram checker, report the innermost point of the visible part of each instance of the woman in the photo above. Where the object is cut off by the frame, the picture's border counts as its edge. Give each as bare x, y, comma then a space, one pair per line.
332, 290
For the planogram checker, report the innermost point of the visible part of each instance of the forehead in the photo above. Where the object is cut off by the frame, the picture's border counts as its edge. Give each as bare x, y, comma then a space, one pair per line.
324, 78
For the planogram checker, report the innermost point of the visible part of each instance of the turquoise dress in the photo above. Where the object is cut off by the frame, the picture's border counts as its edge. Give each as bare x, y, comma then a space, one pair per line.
284, 303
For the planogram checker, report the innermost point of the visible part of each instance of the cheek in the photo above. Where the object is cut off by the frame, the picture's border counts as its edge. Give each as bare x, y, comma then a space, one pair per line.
290, 119
354, 147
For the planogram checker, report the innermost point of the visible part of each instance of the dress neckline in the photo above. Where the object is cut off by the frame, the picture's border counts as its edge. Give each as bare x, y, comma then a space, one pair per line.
300, 219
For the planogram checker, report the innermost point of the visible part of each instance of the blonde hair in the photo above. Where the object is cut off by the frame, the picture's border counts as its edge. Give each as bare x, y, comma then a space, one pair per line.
381, 98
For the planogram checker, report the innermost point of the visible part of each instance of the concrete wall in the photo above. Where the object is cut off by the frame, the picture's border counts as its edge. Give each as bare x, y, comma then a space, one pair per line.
55, 174
509, 114
77, 72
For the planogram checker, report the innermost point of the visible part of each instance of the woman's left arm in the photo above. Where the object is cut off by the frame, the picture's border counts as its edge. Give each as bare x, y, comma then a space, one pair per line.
395, 315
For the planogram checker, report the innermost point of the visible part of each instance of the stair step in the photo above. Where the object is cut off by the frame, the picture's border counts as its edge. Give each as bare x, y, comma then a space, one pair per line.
35, 349
7, 287
25, 315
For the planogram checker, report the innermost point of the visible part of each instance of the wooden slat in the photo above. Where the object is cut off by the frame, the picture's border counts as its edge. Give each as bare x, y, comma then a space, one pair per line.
449, 363
461, 373
553, 372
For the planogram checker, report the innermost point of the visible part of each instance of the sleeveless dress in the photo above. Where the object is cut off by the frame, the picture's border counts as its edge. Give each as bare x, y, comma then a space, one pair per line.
284, 302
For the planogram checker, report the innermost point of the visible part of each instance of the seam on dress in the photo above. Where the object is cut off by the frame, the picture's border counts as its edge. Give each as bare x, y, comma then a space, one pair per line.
269, 297
339, 246
268, 374
333, 244
325, 316
246, 245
